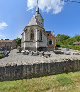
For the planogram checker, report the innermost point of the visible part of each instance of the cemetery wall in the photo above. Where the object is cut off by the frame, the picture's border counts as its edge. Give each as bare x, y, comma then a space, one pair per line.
16, 72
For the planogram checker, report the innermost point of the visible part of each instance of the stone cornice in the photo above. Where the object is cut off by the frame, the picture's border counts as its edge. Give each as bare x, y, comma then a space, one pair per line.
32, 41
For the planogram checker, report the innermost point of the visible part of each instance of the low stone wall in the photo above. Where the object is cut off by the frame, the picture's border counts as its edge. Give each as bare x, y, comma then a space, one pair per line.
15, 72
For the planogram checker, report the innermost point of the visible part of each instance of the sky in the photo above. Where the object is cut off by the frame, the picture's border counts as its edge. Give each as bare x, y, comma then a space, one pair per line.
59, 17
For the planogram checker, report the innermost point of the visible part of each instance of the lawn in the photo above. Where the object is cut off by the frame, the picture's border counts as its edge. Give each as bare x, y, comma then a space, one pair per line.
55, 83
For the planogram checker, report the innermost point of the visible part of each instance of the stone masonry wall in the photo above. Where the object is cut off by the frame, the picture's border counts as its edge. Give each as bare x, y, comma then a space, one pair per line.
15, 72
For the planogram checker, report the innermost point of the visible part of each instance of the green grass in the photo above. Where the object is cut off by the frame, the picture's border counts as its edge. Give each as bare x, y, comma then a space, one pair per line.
55, 83
71, 47
64, 80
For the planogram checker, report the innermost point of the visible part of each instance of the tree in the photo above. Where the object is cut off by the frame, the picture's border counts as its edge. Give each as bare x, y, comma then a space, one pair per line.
62, 37
77, 38
68, 42
18, 41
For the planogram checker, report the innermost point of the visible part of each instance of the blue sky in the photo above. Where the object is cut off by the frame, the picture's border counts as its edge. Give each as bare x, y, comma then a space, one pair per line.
14, 17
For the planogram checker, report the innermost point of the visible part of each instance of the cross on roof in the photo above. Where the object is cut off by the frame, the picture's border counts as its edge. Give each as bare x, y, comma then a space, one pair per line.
37, 8
37, 2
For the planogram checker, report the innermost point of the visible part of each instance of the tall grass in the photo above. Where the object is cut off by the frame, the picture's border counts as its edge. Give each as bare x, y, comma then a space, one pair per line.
56, 83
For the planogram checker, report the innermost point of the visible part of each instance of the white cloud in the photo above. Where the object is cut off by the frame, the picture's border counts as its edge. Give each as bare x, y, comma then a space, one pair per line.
54, 6
3, 25
19, 36
2, 37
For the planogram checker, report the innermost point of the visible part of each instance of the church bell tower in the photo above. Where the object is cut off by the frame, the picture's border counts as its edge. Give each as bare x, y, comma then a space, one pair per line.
34, 35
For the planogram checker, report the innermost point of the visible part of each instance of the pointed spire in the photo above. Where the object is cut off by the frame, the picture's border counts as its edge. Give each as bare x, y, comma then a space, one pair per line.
37, 8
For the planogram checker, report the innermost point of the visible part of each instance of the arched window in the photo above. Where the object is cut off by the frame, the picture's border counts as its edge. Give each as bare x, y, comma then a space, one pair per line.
50, 42
32, 35
40, 36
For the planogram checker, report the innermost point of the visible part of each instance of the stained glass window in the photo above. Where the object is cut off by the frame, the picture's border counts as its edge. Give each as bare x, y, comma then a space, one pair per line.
40, 37
32, 35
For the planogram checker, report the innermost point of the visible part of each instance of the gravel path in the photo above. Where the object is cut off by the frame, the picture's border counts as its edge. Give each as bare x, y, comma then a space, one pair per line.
19, 58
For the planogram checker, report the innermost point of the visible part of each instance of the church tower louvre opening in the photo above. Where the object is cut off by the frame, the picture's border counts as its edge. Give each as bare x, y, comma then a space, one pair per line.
34, 36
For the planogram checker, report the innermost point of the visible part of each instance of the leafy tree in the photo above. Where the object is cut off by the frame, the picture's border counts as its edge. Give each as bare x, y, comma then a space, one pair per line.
77, 38
67, 42
18, 41
62, 37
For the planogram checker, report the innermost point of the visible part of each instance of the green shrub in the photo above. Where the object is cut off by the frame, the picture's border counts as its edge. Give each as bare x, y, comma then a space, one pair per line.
71, 47
1, 56
76, 47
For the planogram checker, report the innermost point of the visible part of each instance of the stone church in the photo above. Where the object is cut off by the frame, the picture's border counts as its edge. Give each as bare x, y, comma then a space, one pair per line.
34, 36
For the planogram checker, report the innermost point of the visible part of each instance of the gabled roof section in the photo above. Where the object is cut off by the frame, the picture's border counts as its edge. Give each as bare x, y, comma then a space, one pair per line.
49, 32
37, 19
33, 21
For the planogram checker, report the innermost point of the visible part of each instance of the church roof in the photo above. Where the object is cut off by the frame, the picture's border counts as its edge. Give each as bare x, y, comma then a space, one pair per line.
48, 32
33, 21
37, 19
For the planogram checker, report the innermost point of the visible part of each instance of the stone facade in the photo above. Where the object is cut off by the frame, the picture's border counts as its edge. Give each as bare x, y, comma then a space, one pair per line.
8, 44
30, 44
34, 36
16, 72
